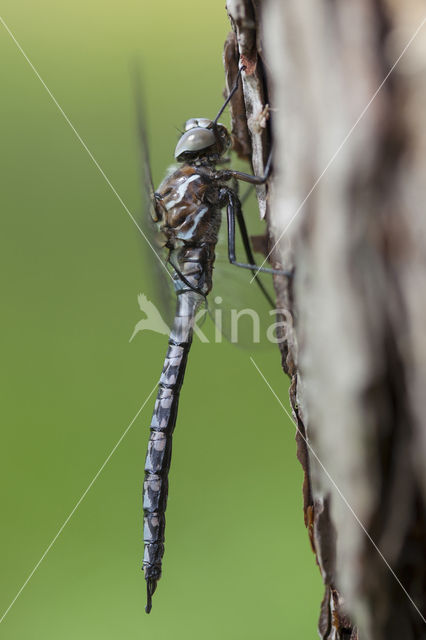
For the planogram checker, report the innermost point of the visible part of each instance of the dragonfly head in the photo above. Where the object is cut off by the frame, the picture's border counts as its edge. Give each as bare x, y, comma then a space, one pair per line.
202, 139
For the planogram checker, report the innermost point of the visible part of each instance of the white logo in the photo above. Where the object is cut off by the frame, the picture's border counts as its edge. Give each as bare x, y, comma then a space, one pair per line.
275, 332
153, 320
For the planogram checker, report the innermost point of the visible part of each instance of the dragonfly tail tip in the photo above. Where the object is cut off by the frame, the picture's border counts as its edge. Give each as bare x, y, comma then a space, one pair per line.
151, 585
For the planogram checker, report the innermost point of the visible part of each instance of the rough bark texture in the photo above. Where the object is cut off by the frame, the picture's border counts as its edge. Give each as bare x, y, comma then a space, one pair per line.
347, 212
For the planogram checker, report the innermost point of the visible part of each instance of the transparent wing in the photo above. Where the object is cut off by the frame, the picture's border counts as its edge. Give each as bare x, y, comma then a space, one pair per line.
160, 286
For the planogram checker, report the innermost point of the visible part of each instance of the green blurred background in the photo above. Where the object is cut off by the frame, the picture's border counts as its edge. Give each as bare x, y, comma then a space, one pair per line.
238, 563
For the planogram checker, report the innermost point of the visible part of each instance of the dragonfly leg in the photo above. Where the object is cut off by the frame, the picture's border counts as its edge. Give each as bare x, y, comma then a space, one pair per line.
160, 210
234, 210
247, 246
227, 174
183, 278
231, 93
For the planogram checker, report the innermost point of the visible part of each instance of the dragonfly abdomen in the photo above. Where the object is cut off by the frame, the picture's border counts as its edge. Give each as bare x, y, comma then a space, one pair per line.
158, 456
159, 452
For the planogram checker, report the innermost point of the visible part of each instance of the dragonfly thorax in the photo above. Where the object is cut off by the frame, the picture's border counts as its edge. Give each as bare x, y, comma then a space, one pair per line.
202, 139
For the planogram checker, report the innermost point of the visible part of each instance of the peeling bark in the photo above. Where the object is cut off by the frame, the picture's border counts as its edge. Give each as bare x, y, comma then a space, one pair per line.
243, 19
346, 210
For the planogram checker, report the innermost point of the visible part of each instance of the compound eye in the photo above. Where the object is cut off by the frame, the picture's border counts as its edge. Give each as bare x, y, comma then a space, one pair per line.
193, 140
205, 123
192, 123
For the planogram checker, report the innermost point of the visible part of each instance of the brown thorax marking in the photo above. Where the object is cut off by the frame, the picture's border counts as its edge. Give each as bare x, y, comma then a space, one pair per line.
188, 206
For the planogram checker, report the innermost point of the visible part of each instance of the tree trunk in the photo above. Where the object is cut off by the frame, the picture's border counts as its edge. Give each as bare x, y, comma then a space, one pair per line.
345, 209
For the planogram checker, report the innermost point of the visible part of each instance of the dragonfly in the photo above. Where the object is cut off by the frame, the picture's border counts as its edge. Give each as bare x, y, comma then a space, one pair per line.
187, 210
